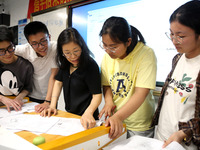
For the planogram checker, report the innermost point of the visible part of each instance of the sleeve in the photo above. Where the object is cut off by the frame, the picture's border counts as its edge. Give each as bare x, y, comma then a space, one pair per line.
104, 76
146, 75
59, 75
20, 50
93, 78
192, 130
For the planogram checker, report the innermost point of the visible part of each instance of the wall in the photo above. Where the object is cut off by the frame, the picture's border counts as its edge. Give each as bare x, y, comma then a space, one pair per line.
17, 9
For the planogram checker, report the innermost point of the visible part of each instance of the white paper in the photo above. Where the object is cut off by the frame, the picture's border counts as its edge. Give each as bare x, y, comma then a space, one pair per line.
66, 126
27, 107
11, 141
34, 123
143, 143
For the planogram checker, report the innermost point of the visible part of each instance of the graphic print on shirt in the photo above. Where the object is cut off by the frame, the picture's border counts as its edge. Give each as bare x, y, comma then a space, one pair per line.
182, 87
121, 84
8, 83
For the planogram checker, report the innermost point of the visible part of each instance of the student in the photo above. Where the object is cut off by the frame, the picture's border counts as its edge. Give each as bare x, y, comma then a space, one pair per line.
128, 74
15, 72
178, 112
40, 51
79, 76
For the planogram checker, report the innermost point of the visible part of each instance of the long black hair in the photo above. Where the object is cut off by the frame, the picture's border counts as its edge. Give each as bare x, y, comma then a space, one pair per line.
72, 35
119, 31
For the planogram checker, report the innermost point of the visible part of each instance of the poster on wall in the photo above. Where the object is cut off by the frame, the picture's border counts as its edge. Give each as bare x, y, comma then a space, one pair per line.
21, 37
38, 5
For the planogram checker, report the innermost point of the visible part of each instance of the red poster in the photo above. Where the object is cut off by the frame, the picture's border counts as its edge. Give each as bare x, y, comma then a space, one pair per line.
38, 5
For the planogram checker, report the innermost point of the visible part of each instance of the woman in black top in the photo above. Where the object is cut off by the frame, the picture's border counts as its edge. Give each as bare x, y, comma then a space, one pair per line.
79, 76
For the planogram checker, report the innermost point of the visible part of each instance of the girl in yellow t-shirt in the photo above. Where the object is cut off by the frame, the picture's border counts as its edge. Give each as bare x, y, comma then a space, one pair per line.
128, 75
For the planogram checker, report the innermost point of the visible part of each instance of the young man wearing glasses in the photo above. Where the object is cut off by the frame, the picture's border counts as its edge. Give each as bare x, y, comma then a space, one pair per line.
16, 73
41, 52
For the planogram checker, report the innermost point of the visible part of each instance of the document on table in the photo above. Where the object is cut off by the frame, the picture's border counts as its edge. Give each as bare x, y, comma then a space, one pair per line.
36, 123
33, 123
143, 143
11, 141
66, 126
27, 107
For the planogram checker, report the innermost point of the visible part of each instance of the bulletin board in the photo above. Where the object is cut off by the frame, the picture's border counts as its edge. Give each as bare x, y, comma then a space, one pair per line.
55, 20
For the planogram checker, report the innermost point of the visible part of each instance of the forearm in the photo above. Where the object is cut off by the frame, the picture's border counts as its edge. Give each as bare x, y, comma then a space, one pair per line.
107, 92
21, 95
1, 98
132, 104
51, 84
56, 93
96, 100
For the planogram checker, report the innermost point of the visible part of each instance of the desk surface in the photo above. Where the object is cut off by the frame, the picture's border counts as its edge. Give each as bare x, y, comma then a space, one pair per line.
29, 136
58, 142
99, 136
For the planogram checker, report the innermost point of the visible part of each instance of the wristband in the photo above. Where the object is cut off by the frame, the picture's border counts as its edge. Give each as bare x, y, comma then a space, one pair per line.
47, 101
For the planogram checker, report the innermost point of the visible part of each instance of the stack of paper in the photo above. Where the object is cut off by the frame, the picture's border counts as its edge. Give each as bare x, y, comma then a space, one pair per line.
34, 123
27, 107
142, 143
18, 121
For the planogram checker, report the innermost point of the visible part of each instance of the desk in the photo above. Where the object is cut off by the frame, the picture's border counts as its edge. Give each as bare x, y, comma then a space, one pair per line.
92, 139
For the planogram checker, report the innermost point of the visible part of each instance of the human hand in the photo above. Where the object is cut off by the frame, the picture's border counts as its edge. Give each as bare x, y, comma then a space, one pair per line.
87, 120
19, 101
176, 136
108, 110
11, 103
39, 108
48, 112
116, 126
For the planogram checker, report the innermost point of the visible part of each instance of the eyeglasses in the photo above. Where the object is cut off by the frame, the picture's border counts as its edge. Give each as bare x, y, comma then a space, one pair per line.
178, 39
10, 49
75, 53
104, 47
42, 42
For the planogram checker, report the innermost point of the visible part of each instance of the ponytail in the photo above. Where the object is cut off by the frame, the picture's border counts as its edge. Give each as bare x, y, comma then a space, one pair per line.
136, 37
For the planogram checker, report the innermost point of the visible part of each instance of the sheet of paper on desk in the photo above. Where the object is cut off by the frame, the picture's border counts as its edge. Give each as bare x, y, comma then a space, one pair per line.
27, 107
34, 123
11, 141
143, 143
66, 126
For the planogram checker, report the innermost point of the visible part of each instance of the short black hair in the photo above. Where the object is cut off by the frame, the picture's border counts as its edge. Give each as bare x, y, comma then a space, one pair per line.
35, 27
6, 34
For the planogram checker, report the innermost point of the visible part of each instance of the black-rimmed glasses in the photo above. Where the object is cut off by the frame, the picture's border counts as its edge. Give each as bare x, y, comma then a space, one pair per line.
10, 49
42, 42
